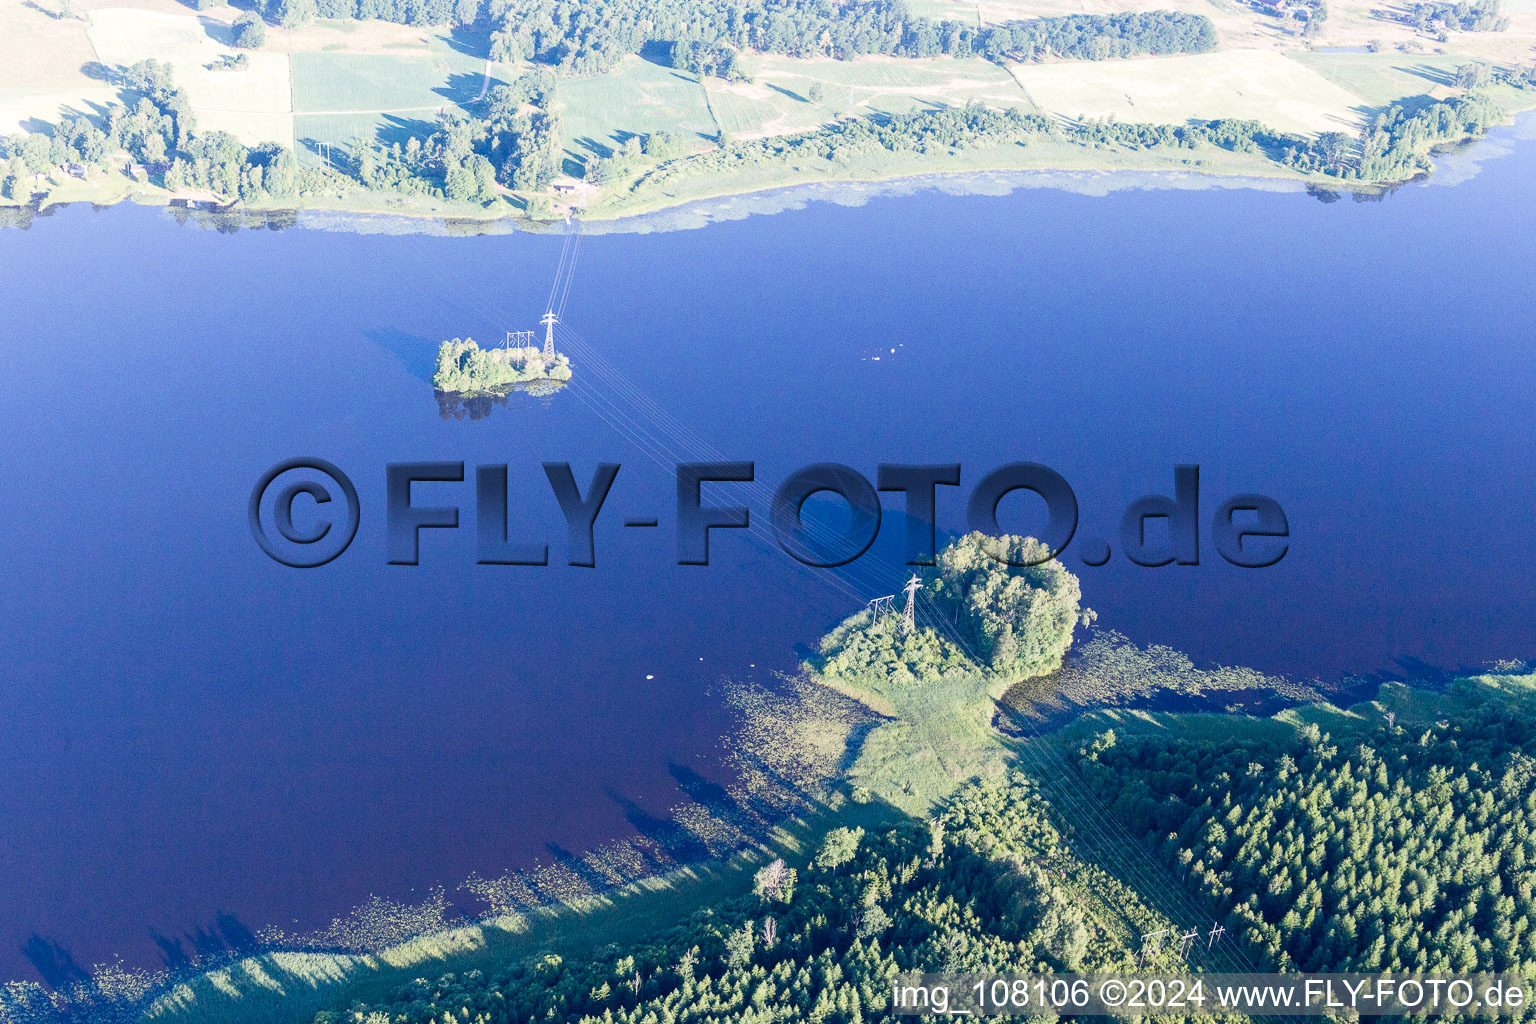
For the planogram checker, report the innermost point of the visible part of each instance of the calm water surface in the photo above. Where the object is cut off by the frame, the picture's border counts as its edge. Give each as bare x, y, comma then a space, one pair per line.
189, 729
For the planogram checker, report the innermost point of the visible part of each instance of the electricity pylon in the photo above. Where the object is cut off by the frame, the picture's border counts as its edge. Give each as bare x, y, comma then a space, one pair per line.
909, 614
549, 320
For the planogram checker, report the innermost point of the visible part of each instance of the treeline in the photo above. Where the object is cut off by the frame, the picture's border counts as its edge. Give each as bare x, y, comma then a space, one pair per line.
1394, 148
1484, 16
955, 129
936, 131
515, 142
1097, 36
590, 36
1410, 848
581, 37
292, 13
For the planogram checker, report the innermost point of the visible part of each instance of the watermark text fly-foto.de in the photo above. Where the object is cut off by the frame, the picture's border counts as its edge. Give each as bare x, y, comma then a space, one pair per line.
304, 512
1208, 994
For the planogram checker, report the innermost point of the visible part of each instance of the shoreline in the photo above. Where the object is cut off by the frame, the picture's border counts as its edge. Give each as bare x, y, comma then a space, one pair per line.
286, 977
735, 200
298, 979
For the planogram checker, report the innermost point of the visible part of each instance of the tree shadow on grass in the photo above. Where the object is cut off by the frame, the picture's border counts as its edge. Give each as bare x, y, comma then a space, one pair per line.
470, 42
591, 146
787, 92
1439, 76
657, 52
463, 88
220, 32
96, 71
393, 128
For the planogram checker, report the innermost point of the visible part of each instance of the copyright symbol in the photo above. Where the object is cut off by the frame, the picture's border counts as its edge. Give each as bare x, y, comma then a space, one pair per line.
1112, 992
306, 551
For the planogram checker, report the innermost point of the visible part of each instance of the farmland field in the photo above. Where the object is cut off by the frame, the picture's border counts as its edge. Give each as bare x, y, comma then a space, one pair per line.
637, 98
779, 97
384, 95
20, 109
338, 34
334, 82
41, 68
252, 103
1258, 84
1383, 78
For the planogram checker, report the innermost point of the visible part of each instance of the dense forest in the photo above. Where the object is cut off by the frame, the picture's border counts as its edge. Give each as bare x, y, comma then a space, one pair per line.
1411, 848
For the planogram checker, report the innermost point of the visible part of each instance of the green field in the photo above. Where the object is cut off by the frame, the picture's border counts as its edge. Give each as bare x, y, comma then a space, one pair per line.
1382, 79
382, 97
778, 99
638, 97
335, 82
1259, 84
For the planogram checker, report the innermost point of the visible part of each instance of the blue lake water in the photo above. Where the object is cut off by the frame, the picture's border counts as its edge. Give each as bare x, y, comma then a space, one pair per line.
188, 728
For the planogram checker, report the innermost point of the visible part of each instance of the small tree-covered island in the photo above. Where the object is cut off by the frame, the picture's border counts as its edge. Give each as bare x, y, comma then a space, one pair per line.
971, 776
464, 368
